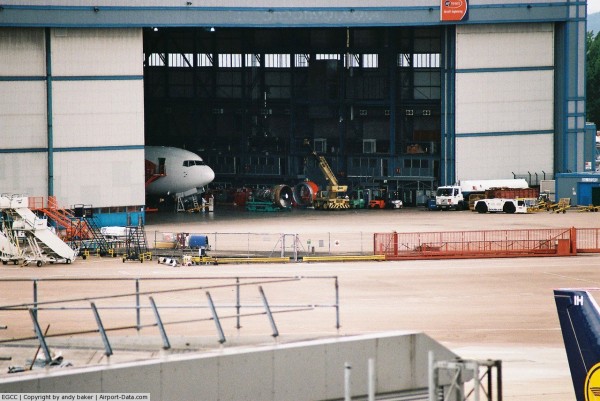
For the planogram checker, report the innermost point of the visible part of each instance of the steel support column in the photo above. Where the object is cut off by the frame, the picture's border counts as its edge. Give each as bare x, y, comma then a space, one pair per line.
49, 119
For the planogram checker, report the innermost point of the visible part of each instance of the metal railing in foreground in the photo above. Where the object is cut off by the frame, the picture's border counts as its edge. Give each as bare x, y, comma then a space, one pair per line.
169, 301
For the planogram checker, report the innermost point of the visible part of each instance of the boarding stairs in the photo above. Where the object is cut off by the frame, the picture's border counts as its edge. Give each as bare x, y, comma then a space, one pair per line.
136, 244
97, 241
44, 245
79, 229
86, 233
65, 220
10, 251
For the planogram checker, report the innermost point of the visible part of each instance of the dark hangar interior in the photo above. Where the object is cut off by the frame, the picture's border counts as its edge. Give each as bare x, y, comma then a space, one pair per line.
369, 99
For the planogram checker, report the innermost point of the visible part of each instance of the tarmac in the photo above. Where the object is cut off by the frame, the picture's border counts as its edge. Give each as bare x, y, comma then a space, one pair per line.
479, 308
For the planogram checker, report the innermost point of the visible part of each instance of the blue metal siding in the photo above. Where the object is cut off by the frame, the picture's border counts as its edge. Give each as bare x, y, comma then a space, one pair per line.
577, 187
570, 91
448, 151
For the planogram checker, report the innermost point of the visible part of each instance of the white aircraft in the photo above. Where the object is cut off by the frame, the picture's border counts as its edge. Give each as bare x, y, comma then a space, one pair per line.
171, 171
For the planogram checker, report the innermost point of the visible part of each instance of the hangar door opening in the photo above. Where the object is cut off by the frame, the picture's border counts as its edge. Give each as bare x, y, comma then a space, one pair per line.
245, 100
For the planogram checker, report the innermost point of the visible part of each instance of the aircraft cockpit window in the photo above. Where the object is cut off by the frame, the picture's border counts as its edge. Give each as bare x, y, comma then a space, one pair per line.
188, 163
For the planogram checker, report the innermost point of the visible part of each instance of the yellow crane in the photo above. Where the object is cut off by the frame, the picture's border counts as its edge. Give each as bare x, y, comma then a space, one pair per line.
335, 195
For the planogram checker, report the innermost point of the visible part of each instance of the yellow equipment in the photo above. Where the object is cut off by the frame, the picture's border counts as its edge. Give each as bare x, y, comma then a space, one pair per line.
560, 207
335, 195
588, 208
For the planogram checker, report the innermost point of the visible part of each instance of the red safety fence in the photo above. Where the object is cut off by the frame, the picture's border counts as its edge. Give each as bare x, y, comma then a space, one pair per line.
588, 240
476, 244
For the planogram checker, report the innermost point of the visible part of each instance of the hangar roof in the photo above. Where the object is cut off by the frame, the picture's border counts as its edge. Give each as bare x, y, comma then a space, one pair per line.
270, 13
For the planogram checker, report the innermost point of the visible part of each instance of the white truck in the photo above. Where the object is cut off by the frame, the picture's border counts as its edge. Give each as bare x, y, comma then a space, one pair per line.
502, 205
457, 196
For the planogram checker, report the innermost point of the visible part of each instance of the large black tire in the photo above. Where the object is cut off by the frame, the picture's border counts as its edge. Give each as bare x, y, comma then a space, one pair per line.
509, 207
481, 207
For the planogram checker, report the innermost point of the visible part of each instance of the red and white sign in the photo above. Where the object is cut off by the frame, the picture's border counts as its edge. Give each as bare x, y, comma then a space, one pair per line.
453, 10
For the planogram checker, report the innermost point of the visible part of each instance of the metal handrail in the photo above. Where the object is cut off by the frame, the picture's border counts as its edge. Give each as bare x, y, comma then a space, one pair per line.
38, 305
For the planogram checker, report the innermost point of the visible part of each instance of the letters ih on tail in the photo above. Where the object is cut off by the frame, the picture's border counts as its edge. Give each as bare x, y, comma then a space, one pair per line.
579, 317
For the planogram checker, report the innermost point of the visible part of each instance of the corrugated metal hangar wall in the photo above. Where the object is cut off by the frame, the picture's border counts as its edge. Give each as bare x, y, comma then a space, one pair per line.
508, 81
92, 117
504, 100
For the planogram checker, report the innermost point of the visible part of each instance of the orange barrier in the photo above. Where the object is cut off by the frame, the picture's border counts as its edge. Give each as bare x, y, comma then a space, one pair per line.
476, 244
588, 240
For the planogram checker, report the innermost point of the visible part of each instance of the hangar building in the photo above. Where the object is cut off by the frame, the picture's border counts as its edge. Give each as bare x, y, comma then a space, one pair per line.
410, 94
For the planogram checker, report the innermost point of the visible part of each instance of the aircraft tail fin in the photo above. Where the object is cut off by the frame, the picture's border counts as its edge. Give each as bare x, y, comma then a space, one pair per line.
579, 318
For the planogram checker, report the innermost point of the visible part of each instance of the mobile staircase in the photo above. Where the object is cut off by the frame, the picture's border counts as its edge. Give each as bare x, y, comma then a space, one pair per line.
44, 246
136, 244
10, 251
78, 227
65, 221
86, 234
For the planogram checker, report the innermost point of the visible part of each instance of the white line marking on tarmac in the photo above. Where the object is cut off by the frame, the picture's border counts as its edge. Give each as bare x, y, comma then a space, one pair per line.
572, 278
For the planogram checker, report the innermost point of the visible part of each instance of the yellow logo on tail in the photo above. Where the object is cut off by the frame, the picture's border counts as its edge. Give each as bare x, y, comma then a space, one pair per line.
592, 384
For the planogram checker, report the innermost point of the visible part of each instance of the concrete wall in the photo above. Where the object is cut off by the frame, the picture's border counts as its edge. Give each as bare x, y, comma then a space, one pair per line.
311, 370
504, 100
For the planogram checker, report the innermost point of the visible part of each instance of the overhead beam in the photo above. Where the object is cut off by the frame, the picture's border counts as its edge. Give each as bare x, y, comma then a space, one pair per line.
25, 14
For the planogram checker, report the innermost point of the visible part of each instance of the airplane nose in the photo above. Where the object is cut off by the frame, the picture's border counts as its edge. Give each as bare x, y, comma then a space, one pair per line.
210, 174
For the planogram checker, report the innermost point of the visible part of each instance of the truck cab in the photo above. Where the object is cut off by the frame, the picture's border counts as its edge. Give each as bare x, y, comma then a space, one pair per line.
450, 197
